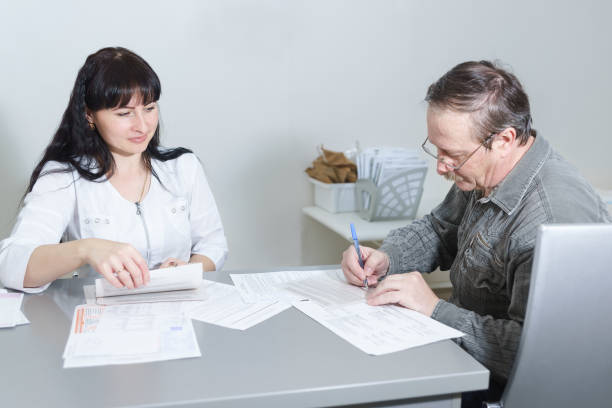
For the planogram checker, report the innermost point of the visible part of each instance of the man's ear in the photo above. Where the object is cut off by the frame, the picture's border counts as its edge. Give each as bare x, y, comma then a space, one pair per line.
504, 141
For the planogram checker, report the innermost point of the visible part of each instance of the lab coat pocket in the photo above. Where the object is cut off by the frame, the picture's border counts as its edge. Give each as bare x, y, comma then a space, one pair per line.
178, 213
98, 226
482, 266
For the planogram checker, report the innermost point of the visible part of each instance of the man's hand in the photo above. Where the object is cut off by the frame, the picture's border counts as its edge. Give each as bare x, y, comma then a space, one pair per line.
408, 289
376, 264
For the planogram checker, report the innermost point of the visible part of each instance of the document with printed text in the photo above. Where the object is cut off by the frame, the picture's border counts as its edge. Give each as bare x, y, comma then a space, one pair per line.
266, 286
224, 307
133, 333
376, 330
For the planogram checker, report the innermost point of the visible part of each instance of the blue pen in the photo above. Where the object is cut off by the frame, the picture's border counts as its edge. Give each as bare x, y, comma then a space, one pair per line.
356, 242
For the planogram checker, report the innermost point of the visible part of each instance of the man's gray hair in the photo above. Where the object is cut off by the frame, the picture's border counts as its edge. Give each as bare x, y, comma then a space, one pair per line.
493, 96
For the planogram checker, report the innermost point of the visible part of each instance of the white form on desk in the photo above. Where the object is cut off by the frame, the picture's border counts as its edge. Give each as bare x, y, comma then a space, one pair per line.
376, 330
329, 290
326, 297
124, 334
10, 309
224, 307
266, 286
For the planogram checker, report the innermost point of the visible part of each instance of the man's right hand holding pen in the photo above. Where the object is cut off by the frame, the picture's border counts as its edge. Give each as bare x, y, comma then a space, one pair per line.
405, 289
376, 264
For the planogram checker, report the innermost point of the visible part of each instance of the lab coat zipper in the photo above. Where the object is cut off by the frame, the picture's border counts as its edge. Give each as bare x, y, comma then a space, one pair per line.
146, 230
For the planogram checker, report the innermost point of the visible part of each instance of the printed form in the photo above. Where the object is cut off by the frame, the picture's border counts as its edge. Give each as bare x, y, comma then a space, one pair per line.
132, 333
376, 330
266, 286
224, 307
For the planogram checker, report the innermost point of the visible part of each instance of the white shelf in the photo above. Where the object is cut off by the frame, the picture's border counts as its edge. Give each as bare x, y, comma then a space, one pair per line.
340, 224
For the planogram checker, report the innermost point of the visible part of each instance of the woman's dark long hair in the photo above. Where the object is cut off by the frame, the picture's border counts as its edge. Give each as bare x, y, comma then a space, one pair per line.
109, 79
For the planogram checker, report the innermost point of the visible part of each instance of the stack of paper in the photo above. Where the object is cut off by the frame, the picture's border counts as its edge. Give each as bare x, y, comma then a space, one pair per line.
382, 163
182, 283
124, 334
10, 309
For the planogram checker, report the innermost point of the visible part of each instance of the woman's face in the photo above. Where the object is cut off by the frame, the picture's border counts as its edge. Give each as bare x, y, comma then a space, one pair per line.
127, 130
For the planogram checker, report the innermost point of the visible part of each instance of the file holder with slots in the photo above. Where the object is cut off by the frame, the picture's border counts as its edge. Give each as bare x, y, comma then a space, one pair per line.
396, 198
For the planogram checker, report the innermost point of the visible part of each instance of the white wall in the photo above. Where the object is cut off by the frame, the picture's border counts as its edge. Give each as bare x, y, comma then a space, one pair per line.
253, 86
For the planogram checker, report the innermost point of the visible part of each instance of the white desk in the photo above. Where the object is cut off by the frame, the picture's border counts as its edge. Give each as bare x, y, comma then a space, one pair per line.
340, 224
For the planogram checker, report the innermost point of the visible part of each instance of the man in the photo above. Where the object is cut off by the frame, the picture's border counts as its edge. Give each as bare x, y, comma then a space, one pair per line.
507, 181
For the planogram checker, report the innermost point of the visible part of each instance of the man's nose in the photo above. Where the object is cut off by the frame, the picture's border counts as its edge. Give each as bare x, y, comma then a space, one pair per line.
441, 168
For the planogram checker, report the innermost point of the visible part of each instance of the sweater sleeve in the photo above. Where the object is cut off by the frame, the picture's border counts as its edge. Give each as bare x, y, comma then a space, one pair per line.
429, 242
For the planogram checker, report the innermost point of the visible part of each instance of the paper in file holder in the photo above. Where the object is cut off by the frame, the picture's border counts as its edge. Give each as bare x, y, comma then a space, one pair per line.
395, 198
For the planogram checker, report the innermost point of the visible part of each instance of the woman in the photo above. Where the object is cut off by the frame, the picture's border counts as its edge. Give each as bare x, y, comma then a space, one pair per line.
105, 193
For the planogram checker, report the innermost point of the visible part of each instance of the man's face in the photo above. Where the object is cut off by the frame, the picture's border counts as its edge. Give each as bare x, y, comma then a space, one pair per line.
453, 135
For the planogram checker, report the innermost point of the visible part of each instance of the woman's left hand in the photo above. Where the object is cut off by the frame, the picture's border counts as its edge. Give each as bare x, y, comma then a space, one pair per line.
172, 262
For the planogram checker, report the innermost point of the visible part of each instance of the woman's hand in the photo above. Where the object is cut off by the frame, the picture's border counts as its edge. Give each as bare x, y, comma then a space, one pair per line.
121, 264
172, 262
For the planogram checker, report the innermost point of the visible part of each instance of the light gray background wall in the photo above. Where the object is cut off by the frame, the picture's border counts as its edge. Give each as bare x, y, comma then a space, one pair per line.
253, 86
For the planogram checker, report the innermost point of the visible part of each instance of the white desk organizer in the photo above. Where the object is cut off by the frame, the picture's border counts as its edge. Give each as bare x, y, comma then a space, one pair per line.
396, 198
335, 198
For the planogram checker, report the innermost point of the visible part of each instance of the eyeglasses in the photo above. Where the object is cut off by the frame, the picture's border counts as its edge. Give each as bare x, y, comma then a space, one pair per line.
430, 148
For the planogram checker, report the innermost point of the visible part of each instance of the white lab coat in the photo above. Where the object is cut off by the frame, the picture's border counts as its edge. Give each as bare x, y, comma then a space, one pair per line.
179, 217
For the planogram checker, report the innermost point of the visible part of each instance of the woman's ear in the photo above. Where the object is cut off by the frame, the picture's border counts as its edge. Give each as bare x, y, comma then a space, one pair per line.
89, 115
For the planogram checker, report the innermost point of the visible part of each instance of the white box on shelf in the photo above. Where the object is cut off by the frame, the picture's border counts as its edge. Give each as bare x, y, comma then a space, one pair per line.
335, 197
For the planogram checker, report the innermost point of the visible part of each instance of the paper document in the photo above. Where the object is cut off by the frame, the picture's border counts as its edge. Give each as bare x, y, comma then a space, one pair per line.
378, 330
10, 309
327, 291
20, 318
171, 296
224, 307
124, 334
266, 286
162, 280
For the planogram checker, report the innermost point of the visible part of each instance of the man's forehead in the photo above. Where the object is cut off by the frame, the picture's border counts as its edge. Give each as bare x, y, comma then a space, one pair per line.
449, 129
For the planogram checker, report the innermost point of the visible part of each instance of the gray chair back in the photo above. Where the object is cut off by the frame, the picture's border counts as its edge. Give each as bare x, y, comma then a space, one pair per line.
565, 355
